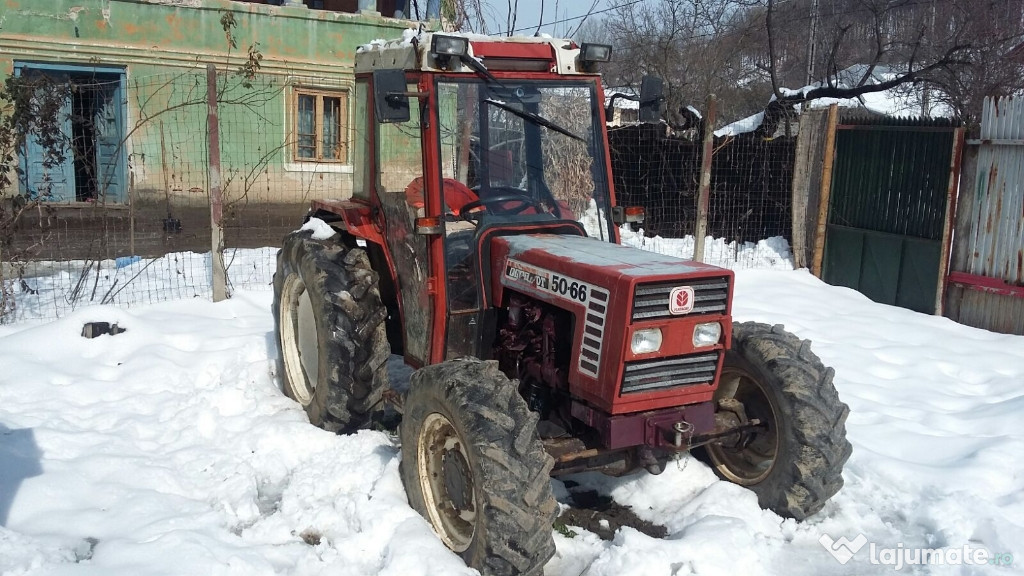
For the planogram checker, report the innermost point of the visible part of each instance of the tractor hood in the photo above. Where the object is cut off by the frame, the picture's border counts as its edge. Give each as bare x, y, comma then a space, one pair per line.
561, 268
613, 292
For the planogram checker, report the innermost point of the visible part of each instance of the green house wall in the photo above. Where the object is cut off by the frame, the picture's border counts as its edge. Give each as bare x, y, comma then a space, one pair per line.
164, 47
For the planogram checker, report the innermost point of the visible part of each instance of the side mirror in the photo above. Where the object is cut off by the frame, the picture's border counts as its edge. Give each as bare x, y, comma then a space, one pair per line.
628, 214
652, 98
390, 101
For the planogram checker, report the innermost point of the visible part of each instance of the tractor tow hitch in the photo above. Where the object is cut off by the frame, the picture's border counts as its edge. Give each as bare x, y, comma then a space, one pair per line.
744, 438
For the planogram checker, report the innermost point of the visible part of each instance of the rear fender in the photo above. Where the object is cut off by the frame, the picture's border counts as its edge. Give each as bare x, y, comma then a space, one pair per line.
355, 218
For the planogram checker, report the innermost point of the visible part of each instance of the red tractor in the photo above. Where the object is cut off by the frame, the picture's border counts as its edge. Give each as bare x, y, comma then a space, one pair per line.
480, 242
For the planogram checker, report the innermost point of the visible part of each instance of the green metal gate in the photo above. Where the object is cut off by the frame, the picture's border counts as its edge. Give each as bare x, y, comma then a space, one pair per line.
887, 224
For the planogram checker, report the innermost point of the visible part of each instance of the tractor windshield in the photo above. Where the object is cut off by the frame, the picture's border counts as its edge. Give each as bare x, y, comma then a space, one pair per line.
520, 148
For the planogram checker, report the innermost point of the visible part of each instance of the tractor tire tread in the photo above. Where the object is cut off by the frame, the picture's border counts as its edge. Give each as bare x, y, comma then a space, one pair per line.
817, 424
519, 507
346, 300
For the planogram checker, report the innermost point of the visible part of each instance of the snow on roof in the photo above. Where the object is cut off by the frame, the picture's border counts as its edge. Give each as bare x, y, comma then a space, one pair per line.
622, 103
408, 35
419, 35
905, 99
748, 124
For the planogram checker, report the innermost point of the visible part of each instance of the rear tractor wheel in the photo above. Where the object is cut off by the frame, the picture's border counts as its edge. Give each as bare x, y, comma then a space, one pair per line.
329, 323
474, 467
793, 459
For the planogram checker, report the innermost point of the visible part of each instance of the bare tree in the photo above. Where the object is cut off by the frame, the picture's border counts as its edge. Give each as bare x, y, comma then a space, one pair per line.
466, 15
29, 104
946, 51
697, 46
949, 52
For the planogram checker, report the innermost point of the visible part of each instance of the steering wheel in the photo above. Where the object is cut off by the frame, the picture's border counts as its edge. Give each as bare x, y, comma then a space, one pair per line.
488, 203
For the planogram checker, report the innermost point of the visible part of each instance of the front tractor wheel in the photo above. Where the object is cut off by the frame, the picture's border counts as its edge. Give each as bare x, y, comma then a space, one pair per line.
792, 450
474, 467
330, 331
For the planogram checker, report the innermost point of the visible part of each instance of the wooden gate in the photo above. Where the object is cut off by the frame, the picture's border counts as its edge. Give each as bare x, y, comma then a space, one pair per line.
888, 218
986, 280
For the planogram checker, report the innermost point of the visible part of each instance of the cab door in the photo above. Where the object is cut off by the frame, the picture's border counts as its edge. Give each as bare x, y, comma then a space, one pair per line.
399, 174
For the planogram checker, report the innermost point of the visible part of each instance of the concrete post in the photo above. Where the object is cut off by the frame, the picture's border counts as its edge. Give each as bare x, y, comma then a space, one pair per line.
704, 191
220, 291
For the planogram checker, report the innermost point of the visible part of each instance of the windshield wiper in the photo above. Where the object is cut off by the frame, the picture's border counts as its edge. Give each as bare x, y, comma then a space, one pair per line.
535, 118
484, 73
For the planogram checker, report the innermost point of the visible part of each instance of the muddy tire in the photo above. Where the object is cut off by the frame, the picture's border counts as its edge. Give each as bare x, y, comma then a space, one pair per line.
474, 467
795, 463
329, 325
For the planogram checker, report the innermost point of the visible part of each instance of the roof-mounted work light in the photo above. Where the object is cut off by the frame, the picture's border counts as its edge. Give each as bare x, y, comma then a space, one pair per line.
448, 46
595, 53
591, 54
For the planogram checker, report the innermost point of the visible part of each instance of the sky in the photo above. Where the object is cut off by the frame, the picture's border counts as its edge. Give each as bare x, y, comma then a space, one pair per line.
529, 14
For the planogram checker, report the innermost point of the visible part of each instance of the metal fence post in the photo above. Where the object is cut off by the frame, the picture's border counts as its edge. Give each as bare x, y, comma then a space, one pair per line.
704, 192
950, 222
216, 201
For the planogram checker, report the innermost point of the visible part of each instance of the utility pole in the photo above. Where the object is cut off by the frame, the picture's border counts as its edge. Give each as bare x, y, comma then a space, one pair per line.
926, 105
810, 42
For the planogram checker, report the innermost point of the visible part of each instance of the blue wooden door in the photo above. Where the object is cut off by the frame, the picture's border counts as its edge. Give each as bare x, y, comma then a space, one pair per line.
44, 176
110, 153
94, 164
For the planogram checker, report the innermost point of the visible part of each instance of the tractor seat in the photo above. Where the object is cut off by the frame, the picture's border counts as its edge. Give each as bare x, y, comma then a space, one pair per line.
456, 194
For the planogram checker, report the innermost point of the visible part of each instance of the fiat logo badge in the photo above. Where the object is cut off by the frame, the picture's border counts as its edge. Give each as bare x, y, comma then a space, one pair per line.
680, 300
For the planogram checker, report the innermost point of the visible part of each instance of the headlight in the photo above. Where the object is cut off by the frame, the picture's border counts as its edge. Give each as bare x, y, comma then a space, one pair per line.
646, 341
707, 334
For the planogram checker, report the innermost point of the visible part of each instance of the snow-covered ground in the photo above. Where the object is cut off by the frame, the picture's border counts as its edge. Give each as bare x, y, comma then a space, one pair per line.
53, 289
170, 449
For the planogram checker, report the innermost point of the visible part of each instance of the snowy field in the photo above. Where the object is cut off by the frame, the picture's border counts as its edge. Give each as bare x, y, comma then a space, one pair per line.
170, 449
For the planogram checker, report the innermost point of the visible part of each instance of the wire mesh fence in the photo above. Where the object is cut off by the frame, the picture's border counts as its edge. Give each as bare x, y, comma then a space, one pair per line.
130, 223
128, 219
749, 214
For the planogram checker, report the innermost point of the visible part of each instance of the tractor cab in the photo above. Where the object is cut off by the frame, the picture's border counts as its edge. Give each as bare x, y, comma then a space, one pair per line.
462, 139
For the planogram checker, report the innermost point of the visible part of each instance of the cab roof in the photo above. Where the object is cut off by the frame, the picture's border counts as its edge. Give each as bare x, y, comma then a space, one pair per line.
519, 53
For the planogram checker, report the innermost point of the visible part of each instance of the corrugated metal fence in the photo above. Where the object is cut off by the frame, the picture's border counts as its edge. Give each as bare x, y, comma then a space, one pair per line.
986, 282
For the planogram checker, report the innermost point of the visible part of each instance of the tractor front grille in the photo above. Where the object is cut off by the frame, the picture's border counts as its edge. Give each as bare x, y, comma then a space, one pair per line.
593, 332
663, 373
710, 295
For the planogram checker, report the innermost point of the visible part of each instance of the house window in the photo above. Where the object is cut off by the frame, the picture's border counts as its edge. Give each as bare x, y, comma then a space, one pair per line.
320, 120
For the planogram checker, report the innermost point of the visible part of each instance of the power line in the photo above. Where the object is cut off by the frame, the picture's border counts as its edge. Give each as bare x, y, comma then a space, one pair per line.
908, 3
573, 18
